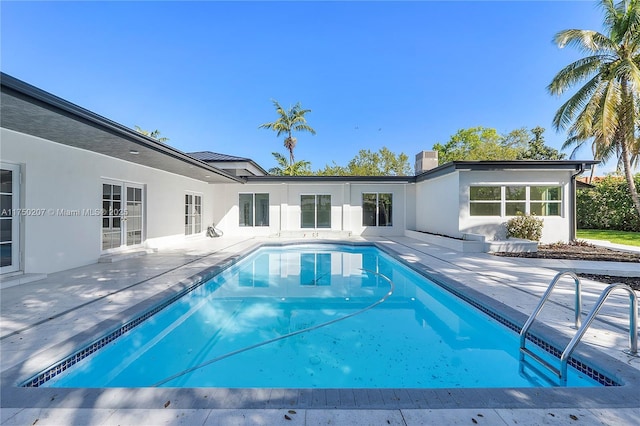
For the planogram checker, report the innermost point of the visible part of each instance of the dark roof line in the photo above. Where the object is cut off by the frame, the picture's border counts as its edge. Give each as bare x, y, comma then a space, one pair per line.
506, 164
40, 95
218, 157
215, 156
439, 171
286, 179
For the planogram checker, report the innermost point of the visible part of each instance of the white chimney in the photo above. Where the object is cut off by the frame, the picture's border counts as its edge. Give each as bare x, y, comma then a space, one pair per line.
426, 160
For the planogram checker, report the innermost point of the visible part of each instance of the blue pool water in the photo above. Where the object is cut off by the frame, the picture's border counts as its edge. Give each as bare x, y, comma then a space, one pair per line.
312, 316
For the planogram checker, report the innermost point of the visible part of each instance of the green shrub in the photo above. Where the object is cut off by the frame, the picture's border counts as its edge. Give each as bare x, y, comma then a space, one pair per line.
608, 206
525, 226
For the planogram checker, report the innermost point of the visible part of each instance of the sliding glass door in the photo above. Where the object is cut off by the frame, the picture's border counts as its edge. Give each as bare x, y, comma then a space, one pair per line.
315, 211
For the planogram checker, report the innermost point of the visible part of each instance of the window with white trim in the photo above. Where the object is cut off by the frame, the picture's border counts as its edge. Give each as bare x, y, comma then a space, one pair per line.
377, 209
545, 200
485, 200
254, 209
315, 211
510, 200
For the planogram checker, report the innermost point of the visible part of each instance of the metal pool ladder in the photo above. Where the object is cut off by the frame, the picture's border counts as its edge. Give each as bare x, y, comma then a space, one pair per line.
561, 372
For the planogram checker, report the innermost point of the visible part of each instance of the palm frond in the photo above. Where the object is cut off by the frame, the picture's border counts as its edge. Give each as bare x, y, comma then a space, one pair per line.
576, 72
585, 40
280, 159
576, 140
632, 36
628, 69
304, 128
609, 112
610, 13
565, 114
583, 127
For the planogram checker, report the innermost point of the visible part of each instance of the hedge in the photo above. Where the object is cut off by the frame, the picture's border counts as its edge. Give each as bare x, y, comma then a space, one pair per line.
608, 205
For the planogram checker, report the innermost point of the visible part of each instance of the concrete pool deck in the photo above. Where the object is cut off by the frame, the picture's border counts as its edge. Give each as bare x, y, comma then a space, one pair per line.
45, 320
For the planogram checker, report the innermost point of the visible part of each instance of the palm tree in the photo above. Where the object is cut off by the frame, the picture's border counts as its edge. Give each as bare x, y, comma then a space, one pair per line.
154, 134
605, 109
288, 122
299, 168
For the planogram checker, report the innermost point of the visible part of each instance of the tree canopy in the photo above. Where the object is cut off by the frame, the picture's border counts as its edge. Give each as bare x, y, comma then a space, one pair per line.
484, 143
536, 149
369, 163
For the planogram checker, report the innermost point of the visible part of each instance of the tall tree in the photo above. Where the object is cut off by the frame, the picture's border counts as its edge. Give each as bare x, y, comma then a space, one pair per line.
605, 109
368, 163
476, 143
535, 148
485, 143
154, 134
284, 168
289, 121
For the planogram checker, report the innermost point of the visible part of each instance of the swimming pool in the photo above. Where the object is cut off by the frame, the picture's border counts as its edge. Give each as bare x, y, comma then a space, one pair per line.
312, 316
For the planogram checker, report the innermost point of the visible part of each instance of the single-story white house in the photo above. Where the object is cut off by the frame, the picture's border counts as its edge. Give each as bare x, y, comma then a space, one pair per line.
76, 186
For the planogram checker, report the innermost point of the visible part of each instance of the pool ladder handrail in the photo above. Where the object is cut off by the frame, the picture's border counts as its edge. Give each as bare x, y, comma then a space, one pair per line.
561, 373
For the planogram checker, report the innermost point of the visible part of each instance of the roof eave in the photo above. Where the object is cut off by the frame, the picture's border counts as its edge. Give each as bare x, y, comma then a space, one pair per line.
22, 88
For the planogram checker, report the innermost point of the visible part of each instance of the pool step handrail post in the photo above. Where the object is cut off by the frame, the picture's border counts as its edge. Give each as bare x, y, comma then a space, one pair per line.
633, 326
545, 297
527, 325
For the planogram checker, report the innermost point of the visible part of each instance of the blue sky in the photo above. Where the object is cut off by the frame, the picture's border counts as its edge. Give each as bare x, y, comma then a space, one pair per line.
399, 74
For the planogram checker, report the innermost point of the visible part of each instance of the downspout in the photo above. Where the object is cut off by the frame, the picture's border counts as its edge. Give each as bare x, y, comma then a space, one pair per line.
572, 215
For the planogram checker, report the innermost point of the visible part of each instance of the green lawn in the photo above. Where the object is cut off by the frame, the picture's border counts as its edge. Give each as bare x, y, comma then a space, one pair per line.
618, 237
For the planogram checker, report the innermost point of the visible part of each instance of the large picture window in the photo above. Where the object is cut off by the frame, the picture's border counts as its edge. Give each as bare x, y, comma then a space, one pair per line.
510, 200
254, 209
377, 209
315, 211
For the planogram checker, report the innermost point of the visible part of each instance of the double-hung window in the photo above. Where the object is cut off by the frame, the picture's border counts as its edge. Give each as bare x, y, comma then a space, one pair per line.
377, 209
254, 209
315, 211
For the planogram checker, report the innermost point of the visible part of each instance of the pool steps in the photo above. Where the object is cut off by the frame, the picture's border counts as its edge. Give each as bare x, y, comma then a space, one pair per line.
561, 372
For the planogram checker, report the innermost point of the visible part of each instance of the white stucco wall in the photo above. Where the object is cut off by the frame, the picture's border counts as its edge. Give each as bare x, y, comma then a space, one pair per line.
57, 176
226, 214
398, 216
556, 228
285, 212
437, 205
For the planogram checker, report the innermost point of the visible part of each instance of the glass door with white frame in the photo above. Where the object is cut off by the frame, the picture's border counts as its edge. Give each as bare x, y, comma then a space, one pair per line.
192, 214
133, 215
122, 215
9, 219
